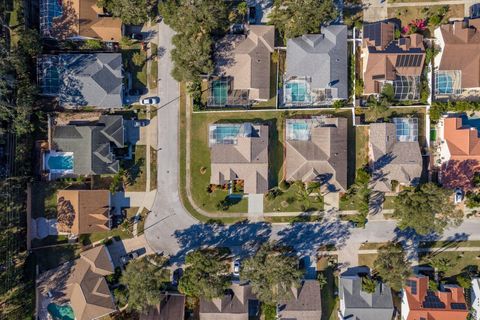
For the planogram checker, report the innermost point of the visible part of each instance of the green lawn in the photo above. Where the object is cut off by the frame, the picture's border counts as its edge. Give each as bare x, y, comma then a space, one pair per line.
348, 204
153, 74
361, 146
49, 258
87, 239
138, 72
153, 169
388, 203
330, 302
367, 259
450, 244
137, 170
293, 219
49, 240
288, 202
459, 260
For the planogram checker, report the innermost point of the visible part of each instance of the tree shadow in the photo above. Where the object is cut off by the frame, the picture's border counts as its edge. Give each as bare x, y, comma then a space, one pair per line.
459, 174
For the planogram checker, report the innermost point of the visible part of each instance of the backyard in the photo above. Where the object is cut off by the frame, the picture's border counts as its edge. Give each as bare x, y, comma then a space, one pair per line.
52, 257
361, 146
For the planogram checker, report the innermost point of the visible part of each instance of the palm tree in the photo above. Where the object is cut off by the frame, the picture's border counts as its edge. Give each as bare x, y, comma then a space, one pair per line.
242, 10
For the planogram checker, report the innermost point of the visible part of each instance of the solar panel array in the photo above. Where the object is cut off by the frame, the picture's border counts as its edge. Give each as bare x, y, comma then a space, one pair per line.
413, 286
432, 301
408, 60
458, 306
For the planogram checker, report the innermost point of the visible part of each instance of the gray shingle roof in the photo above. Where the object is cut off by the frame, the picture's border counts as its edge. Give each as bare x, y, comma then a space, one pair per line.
323, 57
92, 144
91, 80
305, 304
360, 305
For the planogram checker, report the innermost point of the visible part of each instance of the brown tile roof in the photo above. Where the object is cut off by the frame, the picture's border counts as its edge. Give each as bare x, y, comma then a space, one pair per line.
82, 18
392, 159
438, 306
232, 306
171, 307
383, 55
462, 140
247, 60
462, 50
305, 304
246, 160
323, 154
83, 211
81, 283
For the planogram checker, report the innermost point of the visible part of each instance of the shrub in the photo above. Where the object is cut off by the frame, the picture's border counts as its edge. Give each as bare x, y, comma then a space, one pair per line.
92, 44
464, 281
138, 59
284, 185
337, 104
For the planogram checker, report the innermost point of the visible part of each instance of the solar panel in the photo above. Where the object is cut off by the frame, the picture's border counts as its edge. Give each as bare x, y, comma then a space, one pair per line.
413, 286
458, 306
432, 301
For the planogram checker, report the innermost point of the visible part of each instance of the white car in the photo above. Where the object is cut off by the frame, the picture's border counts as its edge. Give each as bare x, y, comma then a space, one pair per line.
150, 100
236, 268
458, 196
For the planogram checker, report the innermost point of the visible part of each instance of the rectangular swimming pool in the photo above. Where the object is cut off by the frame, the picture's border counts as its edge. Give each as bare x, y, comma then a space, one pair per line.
298, 91
59, 162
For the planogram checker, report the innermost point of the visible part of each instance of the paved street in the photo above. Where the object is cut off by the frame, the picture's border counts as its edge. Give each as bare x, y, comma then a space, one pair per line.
171, 229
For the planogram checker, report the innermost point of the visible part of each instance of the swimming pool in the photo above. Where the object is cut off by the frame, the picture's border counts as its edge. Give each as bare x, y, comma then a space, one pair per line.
60, 162
298, 91
444, 83
298, 130
61, 312
225, 134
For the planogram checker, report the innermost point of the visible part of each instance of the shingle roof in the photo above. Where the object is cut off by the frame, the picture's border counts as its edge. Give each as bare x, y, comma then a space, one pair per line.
323, 57
81, 283
360, 305
305, 304
171, 307
91, 80
247, 60
247, 160
393, 160
91, 144
323, 154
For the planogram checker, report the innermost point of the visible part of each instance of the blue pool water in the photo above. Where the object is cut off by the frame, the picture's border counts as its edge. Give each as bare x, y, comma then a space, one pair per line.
223, 133
444, 84
300, 126
60, 162
63, 312
298, 91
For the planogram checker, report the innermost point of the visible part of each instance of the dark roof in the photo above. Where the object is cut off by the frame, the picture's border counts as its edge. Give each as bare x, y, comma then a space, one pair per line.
234, 303
91, 144
171, 307
305, 303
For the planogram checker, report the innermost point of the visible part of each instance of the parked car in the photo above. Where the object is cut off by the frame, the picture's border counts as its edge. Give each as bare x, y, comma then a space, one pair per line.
150, 100
458, 196
236, 268
129, 256
141, 123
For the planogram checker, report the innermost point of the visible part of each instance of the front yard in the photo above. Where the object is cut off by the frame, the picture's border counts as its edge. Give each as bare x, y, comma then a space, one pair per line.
135, 64
136, 173
294, 199
457, 261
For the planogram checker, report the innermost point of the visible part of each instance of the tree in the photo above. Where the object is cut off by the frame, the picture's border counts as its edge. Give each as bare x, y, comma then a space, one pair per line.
388, 92
377, 107
272, 274
294, 18
369, 285
144, 282
206, 274
138, 59
242, 9
322, 280
337, 104
129, 11
93, 44
392, 266
426, 209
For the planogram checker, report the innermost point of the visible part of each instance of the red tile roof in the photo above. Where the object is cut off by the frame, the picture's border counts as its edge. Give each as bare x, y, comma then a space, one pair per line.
462, 140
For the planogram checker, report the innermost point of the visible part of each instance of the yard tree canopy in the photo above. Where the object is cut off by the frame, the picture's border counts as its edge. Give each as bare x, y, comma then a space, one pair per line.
206, 274
272, 274
426, 209
194, 22
294, 18
392, 265
129, 11
144, 282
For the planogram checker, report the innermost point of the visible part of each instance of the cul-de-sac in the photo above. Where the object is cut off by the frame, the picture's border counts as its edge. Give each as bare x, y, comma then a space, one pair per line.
240, 159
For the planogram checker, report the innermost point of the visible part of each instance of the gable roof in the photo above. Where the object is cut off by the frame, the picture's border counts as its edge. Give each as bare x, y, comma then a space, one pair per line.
89, 79
92, 144
461, 50
79, 18
247, 60
305, 304
361, 305
246, 159
321, 57
171, 307
320, 151
233, 305
393, 159
87, 210
81, 283
448, 304
462, 140
387, 57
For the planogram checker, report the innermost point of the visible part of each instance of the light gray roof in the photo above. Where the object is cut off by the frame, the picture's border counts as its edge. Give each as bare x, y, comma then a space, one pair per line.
360, 305
92, 144
323, 57
91, 80
392, 159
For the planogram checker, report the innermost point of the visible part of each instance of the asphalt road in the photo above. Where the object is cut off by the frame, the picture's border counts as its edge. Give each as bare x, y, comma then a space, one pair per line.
169, 228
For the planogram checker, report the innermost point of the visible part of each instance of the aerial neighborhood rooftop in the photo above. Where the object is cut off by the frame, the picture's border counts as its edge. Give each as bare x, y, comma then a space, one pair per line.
247, 159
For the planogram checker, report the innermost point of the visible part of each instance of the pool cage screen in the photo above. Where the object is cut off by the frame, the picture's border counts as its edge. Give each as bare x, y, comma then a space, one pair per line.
406, 129
297, 91
407, 87
49, 10
48, 75
448, 82
222, 94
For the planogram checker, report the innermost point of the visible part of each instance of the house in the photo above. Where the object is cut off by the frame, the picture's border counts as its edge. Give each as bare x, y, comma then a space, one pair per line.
475, 298
86, 149
171, 307
239, 151
79, 286
316, 150
358, 304
78, 19
238, 303
81, 79
83, 211
419, 302
459, 59
394, 154
305, 303
243, 63
461, 139
394, 61
316, 68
